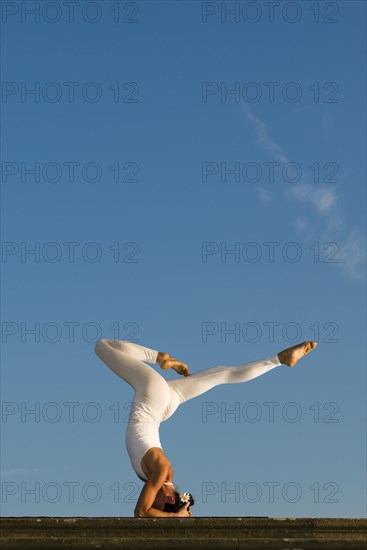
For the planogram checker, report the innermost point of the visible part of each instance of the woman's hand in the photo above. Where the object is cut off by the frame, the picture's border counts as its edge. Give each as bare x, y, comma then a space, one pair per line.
184, 512
166, 362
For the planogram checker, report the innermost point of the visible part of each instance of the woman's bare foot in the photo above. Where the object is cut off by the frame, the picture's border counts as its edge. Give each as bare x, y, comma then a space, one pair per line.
166, 362
290, 356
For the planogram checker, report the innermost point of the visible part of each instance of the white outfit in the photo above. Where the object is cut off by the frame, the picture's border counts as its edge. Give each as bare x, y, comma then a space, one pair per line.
156, 399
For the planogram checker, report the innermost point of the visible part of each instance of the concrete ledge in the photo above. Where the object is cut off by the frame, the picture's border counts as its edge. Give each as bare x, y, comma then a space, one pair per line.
216, 533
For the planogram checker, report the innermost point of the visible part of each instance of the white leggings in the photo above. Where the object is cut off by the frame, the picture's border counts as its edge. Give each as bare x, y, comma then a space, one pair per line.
126, 359
156, 399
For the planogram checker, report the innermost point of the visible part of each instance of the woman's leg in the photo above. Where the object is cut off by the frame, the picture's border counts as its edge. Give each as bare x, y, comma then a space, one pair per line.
200, 382
121, 358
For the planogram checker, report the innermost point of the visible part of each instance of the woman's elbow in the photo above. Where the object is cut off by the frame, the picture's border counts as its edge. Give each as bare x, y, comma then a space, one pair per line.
140, 513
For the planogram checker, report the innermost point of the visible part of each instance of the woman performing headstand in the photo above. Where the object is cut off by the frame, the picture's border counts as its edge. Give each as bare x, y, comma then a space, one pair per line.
155, 400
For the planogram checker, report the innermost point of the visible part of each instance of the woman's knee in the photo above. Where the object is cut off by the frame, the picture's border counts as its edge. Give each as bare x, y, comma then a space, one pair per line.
100, 346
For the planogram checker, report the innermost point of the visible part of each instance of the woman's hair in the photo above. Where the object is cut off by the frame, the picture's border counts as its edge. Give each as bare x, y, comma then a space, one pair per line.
178, 504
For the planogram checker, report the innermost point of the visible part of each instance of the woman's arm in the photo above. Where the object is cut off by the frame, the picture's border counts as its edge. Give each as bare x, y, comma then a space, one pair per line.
144, 506
154, 513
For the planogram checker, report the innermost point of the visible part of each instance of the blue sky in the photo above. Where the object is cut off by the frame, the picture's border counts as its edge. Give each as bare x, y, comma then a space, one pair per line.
152, 255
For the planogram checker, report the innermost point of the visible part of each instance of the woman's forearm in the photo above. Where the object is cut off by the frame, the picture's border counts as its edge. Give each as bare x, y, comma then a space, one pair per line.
154, 513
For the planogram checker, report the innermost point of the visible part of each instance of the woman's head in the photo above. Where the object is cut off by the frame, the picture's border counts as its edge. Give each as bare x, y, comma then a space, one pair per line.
169, 499
179, 502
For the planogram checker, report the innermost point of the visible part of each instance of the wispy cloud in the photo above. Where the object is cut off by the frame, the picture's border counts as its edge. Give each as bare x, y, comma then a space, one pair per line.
263, 136
353, 256
301, 223
323, 200
264, 195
